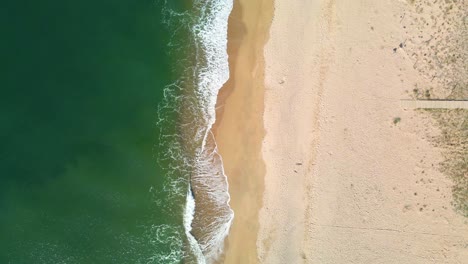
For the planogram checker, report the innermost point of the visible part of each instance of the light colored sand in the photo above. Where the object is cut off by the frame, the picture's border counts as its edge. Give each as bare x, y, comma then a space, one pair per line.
343, 183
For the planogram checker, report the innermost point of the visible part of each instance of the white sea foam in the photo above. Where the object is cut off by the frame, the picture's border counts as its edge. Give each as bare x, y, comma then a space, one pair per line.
168, 235
194, 152
188, 218
211, 35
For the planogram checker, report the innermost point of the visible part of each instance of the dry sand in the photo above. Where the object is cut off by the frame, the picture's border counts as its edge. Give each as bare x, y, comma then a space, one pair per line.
343, 183
348, 176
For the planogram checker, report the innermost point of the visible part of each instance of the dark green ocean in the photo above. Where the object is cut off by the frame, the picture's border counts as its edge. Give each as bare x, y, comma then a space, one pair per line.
105, 112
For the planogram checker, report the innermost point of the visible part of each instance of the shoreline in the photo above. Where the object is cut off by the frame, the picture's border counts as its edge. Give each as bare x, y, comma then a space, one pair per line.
239, 125
323, 163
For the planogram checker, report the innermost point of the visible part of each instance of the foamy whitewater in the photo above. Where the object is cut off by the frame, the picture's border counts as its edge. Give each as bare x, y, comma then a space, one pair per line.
188, 218
191, 149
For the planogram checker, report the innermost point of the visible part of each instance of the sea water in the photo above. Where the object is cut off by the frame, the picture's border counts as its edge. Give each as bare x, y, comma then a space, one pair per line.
193, 99
105, 116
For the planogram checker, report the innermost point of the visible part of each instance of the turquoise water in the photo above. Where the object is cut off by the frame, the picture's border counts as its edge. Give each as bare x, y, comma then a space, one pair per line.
105, 111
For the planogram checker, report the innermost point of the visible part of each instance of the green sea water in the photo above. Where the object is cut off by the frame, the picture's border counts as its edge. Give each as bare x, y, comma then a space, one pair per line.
80, 85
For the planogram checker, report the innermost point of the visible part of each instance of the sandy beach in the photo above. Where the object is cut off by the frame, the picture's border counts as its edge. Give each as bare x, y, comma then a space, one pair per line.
239, 124
324, 164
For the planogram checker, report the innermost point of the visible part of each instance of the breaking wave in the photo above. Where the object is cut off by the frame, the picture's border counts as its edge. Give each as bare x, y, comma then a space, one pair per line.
185, 121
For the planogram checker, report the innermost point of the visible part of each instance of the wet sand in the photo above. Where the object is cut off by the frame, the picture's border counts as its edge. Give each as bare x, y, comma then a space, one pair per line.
239, 126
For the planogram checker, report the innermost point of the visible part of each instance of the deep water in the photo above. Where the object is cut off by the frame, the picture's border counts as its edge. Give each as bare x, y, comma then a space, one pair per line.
80, 85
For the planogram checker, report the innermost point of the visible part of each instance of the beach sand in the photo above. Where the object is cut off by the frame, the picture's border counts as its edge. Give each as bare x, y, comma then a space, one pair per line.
347, 175
239, 124
345, 183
